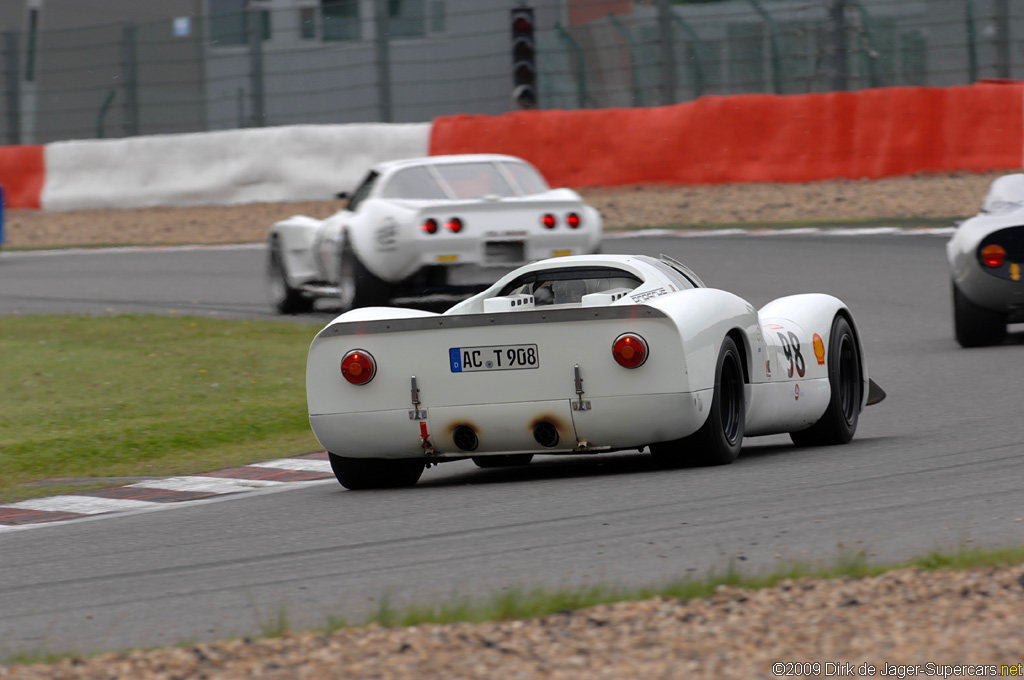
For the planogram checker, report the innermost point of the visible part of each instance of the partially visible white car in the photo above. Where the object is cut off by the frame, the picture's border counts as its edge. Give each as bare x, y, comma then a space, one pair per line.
582, 355
986, 259
438, 224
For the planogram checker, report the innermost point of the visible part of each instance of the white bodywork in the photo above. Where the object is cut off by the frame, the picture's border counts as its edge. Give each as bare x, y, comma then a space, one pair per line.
1001, 221
417, 398
499, 199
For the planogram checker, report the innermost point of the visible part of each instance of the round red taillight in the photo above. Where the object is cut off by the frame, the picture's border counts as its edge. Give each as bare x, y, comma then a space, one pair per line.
430, 226
629, 350
993, 255
573, 220
454, 225
549, 221
358, 367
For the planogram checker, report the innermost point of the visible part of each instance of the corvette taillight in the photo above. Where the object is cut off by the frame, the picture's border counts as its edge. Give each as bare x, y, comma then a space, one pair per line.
454, 225
430, 226
549, 221
573, 220
629, 350
993, 255
358, 367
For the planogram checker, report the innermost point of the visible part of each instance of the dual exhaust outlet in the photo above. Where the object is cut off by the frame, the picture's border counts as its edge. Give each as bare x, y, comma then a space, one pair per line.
544, 433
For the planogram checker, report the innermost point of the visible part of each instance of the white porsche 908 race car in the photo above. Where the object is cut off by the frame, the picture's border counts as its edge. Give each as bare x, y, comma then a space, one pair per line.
581, 355
986, 256
421, 226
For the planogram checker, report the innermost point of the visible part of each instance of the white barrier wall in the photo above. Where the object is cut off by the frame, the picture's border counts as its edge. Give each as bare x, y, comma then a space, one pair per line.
290, 163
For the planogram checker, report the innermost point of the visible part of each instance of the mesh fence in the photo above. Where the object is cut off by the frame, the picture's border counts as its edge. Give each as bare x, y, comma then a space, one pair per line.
340, 61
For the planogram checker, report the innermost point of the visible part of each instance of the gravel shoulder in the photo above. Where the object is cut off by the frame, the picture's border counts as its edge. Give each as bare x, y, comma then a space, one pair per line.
898, 622
946, 196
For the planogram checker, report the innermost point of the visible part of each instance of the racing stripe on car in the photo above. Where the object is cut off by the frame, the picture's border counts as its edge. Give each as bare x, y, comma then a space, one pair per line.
166, 492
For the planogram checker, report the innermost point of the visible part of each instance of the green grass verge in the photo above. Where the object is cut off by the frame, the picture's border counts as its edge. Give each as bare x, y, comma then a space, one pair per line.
527, 603
86, 399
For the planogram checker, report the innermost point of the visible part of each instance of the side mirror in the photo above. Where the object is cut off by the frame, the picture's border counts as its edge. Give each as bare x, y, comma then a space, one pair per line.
341, 195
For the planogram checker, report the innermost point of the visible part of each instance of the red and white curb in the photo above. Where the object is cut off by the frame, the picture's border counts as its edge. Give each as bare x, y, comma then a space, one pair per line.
164, 492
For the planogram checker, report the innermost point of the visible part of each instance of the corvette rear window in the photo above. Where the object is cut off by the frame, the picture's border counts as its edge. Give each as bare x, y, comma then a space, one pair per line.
473, 180
413, 183
528, 179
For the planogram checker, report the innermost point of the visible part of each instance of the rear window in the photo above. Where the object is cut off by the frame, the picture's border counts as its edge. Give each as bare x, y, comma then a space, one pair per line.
413, 183
473, 180
569, 285
528, 179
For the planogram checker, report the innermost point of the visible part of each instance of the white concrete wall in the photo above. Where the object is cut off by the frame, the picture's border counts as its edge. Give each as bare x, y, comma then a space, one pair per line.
289, 163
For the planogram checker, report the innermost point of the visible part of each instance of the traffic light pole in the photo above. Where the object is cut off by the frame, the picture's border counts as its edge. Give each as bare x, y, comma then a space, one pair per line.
380, 8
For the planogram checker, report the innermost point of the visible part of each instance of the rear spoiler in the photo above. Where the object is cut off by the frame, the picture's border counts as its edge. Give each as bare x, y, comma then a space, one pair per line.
498, 319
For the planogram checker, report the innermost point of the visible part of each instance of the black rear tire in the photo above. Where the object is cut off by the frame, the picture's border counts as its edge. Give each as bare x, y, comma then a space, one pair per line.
284, 298
511, 460
720, 438
358, 286
976, 326
846, 382
376, 473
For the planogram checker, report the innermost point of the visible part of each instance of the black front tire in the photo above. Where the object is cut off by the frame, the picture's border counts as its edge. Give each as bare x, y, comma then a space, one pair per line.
283, 297
846, 382
976, 326
376, 473
510, 460
720, 438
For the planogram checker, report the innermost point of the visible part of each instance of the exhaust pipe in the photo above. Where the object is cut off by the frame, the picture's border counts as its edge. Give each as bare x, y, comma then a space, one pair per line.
545, 434
465, 438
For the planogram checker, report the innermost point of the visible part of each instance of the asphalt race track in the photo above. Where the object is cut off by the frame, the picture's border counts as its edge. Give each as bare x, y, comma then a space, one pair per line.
936, 465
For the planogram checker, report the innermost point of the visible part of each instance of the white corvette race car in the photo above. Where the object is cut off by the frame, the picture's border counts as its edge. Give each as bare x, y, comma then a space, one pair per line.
580, 355
421, 226
986, 256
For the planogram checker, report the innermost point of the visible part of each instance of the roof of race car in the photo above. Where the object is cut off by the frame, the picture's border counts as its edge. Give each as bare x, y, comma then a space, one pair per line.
442, 160
651, 272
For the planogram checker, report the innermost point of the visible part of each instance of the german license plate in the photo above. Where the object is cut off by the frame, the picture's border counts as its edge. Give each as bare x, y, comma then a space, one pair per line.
493, 358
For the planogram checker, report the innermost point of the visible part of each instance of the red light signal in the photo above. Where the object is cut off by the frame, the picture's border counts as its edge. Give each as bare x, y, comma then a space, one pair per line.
524, 67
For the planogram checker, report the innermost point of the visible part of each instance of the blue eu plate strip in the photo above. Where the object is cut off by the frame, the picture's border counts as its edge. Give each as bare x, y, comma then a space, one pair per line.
455, 356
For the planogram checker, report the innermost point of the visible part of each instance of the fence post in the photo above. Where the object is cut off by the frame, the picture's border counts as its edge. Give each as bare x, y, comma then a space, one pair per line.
638, 96
773, 42
972, 43
254, 36
668, 61
837, 45
382, 39
1002, 38
129, 80
693, 52
12, 87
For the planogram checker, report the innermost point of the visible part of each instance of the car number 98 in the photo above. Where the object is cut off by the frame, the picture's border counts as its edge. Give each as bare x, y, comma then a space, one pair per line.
493, 358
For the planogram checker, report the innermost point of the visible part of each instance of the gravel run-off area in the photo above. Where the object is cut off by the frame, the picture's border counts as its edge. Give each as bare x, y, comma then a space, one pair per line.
931, 197
964, 623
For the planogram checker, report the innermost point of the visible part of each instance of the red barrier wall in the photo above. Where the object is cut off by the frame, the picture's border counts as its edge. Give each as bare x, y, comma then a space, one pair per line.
749, 138
22, 171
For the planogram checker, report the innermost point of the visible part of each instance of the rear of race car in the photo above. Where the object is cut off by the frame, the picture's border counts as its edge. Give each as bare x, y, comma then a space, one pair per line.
471, 243
555, 381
